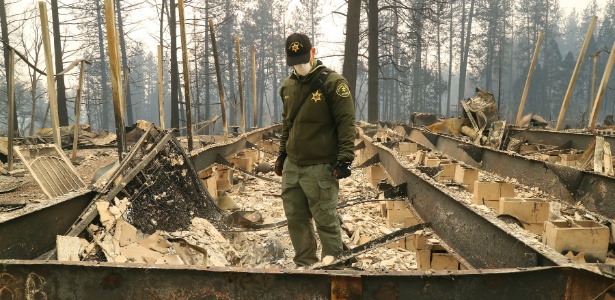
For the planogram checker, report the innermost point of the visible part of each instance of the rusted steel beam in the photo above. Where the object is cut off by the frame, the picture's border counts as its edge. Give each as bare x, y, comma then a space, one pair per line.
375, 243
535, 283
27, 233
568, 184
202, 159
577, 140
525, 170
346, 287
481, 240
133, 281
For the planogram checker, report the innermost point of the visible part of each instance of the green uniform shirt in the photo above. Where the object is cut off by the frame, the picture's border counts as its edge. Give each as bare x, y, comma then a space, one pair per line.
323, 131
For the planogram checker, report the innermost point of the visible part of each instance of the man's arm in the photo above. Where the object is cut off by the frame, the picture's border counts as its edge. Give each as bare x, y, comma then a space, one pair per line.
285, 124
342, 108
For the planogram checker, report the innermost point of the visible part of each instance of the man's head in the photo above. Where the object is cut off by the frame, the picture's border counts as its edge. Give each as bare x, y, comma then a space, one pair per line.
298, 49
299, 53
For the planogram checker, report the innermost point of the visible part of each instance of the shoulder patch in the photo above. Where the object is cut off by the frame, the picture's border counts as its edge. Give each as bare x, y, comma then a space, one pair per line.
342, 90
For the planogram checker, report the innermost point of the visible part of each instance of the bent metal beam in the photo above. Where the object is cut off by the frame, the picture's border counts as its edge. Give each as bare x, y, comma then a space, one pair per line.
482, 240
52, 279
568, 184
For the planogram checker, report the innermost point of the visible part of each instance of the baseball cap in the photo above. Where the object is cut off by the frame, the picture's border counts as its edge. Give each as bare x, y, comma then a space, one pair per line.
298, 47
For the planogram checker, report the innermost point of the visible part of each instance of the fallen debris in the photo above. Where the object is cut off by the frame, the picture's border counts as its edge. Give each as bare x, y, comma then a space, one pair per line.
86, 137
51, 169
420, 119
532, 120
381, 241
450, 126
68, 248
7, 186
163, 189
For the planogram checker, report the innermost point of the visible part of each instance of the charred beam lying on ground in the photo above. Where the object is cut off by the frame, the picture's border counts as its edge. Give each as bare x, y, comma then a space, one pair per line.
31, 231
109, 281
223, 161
203, 158
568, 184
375, 243
480, 240
574, 140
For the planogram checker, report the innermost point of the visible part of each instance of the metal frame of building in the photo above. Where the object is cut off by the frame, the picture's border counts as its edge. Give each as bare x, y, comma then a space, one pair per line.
510, 267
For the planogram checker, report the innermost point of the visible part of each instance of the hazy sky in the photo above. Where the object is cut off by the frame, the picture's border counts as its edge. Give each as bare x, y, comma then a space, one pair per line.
568, 5
330, 45
332, 42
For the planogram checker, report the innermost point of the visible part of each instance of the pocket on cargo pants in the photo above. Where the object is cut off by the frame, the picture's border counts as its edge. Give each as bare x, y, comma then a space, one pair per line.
323, 200
327, 200
324, 211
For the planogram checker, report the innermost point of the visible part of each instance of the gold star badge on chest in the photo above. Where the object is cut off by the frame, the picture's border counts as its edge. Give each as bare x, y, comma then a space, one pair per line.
316, 96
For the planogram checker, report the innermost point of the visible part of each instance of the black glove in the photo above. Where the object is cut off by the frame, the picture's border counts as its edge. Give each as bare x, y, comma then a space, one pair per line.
279, 163
342, 169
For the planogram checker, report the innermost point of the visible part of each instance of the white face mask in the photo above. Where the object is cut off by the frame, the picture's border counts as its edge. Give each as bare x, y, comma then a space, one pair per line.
303, 69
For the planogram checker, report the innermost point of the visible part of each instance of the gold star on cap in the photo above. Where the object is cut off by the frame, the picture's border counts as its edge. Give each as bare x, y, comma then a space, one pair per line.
295, 46
316, 96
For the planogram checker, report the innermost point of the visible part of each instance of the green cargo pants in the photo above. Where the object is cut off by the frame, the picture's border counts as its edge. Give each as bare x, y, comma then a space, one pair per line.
311, 192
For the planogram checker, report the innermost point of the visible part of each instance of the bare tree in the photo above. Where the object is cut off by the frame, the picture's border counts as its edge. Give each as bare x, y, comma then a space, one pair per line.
351, 45
373, 62
174, 66
5, 38
57, 49
464, 54
103, 68
125, 70
33, 53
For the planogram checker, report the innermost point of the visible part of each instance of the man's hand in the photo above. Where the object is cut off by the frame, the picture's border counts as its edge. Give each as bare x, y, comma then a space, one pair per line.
279, 163
342, 169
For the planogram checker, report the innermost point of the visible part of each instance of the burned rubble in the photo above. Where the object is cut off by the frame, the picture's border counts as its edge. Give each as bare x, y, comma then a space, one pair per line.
140, 216
155, 208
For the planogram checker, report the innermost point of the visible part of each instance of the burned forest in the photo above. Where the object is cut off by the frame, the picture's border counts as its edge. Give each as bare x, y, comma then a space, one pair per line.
144, 145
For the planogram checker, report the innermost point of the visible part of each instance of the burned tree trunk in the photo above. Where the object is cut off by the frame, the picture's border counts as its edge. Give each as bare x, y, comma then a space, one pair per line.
373, 63
103, 70
57, 45
464, 54
174, 67
127, 100
5, 37
351, 53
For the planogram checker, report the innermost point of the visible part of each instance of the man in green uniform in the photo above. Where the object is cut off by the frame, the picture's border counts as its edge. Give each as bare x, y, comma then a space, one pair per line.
317, 149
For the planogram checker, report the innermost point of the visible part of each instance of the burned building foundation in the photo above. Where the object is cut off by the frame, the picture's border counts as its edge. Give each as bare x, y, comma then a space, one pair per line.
502, 262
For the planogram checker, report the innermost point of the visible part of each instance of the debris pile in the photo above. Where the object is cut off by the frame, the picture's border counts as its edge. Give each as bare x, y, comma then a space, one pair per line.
121, 242
164, 189
597, 157
162, 196
479, 122
258, 239
526, 210
115, 239
86, 137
